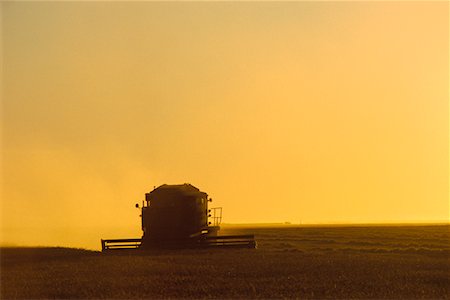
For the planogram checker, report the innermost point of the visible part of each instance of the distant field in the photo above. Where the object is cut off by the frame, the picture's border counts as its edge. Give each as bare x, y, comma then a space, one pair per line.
290, 262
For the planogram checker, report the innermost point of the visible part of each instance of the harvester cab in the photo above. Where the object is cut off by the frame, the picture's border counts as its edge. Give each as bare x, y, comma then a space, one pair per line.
178, 216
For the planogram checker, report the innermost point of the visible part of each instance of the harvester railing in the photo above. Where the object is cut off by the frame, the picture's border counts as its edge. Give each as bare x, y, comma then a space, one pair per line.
215, 215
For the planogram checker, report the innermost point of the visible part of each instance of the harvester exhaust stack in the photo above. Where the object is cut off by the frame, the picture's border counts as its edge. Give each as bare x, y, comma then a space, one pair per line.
177, 216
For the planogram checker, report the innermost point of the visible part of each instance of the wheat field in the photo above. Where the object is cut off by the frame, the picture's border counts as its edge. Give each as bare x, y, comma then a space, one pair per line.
290, 262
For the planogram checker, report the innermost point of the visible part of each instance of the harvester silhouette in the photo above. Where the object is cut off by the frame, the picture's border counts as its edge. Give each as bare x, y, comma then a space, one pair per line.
176, 217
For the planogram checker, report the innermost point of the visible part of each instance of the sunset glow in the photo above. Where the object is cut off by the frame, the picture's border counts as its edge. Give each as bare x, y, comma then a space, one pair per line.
311, 112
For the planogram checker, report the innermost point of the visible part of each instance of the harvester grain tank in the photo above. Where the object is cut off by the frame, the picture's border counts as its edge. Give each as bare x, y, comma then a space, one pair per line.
178, 216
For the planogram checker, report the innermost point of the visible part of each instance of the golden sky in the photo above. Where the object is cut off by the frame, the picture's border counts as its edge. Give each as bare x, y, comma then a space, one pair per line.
281, 111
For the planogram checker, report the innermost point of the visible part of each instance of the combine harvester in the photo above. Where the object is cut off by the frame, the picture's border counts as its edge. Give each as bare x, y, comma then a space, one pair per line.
178, 217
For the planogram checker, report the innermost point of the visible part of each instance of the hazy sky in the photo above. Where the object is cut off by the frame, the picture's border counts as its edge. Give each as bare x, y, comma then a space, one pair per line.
294, 111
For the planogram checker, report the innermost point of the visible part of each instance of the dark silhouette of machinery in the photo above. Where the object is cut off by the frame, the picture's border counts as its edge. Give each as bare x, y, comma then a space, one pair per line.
178, 216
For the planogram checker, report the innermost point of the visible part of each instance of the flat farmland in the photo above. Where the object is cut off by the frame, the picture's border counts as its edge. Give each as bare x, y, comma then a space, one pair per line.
290, 262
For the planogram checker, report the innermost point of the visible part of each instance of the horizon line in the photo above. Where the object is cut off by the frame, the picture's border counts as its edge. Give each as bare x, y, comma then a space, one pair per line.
287, 223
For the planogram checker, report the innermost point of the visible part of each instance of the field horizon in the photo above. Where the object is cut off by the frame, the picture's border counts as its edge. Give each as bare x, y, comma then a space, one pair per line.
337, 223
135, 232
